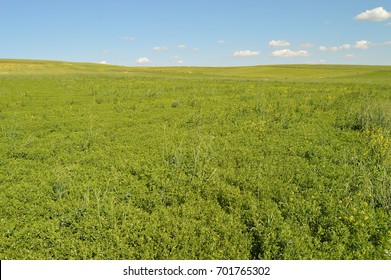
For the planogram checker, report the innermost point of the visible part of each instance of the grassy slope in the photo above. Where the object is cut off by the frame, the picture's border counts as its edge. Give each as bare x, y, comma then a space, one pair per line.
108, 162
350, 73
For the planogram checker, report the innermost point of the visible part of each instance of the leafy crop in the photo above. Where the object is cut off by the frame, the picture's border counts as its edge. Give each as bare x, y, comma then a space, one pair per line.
192, 164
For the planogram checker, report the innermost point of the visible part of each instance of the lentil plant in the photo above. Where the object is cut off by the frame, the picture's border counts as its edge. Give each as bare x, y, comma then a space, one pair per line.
166, 164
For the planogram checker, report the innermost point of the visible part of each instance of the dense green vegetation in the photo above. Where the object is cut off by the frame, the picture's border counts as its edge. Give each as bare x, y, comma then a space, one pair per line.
267, 162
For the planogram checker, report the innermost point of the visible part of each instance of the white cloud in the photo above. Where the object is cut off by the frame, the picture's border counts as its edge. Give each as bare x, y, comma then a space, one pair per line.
306, 45
180, 61
289, 53
334, 49
376, 14
245, 53
143, 60
221, 42
362, 45
102, 62
349, 55
195, 49
160, 48
387, 43
323, 48
278, 43
388, 24
345, 47
182, 46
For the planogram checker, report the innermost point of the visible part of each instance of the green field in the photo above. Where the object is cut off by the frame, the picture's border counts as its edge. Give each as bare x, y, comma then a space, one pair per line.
263, 162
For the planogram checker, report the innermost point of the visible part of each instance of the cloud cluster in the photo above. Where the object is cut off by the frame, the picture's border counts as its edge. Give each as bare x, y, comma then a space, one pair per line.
282, 50
363, 45
290, 53
278, 43
245, 53
376, 14
177, 59
334, 49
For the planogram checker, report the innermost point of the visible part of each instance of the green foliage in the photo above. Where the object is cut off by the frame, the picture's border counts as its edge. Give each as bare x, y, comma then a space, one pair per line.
104, 162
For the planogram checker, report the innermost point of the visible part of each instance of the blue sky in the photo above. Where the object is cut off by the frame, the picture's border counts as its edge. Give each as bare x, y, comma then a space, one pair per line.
197, 32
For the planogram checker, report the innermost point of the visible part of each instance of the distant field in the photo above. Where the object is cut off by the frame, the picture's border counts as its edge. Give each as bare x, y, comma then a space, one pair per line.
314, 73
263, 162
